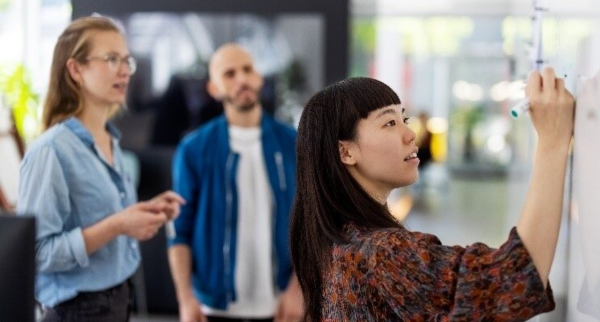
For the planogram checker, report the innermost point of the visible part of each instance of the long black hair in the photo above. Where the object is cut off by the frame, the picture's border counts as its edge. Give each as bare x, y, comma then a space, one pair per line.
327, 196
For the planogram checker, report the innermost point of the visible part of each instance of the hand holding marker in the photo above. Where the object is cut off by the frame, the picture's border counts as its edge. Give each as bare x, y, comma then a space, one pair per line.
523, 106
520, 108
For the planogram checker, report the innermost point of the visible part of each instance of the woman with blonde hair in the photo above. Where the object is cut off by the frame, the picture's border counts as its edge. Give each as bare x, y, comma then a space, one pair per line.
74, 182
356, 262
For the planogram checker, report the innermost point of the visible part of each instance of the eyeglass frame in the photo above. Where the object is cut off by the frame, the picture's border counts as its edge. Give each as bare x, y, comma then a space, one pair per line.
128, 60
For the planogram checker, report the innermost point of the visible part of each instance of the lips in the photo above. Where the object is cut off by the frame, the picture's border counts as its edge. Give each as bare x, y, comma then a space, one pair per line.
245, 89
122, 86
412, 156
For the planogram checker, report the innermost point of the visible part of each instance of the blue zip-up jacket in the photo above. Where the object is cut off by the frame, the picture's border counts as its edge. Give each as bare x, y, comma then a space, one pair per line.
204, 174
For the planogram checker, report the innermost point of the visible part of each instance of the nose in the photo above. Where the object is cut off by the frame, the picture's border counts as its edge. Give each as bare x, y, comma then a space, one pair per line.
124, 69
241, 77
408, 135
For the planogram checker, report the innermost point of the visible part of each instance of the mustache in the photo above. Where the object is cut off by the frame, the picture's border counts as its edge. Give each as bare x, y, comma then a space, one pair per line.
246, 88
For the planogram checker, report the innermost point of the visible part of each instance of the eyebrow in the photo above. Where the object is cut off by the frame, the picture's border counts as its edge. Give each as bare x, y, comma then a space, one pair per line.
390, 110
112, 52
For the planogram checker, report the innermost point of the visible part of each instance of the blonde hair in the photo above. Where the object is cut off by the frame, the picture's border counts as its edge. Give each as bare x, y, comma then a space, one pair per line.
63, 99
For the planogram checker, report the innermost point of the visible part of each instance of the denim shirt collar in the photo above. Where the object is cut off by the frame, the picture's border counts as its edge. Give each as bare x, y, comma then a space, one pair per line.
84, 135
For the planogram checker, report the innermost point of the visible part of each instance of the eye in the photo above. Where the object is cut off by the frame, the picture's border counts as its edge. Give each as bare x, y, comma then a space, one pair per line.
229, 74
405, 120
113, 59
391, 123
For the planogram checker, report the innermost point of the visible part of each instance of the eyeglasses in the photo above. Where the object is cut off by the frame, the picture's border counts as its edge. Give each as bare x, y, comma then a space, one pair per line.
114, 62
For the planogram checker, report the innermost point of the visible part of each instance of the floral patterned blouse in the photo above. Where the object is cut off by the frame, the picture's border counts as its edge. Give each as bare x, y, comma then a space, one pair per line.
398, 275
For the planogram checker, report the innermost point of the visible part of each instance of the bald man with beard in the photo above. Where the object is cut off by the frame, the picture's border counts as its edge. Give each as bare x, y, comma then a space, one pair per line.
229, 255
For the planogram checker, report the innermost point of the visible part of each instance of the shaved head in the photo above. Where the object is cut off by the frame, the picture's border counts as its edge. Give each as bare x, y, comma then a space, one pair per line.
224, 54
233, 79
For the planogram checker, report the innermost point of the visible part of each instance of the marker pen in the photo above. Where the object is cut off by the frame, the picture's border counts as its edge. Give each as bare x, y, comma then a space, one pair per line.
523, 106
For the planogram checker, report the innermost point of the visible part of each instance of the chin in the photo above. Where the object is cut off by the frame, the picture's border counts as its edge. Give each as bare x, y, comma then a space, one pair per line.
415, 178
247, 107
117, 100
408, 181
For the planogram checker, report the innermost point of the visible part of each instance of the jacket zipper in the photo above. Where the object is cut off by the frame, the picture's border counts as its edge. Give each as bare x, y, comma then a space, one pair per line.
228, 215
282, 187
280, 171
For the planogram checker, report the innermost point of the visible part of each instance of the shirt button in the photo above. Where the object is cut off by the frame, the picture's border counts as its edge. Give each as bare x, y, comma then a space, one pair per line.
134, 245
122, 194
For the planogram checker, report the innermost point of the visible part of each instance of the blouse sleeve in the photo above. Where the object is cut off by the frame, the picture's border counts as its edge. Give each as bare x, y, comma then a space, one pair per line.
44, 193
422, 278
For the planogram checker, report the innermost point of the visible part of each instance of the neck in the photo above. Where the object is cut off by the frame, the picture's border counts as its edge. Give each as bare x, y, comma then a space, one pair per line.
249, 118
94, 119
378, 192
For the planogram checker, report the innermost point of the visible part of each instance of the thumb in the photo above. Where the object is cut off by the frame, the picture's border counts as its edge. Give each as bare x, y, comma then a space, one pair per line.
160, 218
149, 206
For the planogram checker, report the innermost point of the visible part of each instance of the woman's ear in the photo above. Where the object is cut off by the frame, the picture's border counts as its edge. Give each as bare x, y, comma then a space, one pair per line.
74, 70
347, 153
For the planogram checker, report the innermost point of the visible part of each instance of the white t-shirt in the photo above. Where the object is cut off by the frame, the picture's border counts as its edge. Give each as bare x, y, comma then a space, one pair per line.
254, 281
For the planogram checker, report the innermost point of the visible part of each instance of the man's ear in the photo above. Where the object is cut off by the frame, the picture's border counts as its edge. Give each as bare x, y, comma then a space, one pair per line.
74, 70
347, 155
212, 90
261, 82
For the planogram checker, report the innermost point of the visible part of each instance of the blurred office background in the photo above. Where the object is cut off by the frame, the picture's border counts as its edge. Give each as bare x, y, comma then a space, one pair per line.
457, 65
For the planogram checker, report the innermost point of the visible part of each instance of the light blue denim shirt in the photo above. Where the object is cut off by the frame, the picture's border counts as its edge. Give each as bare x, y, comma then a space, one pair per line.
68, 185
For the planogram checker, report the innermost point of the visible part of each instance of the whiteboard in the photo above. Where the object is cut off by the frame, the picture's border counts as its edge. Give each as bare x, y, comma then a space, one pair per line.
584, 250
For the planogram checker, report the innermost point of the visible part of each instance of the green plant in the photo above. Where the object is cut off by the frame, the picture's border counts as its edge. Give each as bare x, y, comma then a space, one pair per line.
467, 118
293, 76
16, 88
4, 4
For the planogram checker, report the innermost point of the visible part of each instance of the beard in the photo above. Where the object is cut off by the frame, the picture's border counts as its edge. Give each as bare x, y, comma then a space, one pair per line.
245, 105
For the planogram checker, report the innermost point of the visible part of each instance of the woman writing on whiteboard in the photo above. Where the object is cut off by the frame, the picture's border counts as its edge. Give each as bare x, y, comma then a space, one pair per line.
74, 181
355, 262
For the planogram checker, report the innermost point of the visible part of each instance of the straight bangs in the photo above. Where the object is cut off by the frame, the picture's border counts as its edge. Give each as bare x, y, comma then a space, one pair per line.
365, 95
358, 97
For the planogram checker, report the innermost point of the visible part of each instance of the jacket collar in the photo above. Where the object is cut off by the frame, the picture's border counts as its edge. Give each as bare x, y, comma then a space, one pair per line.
266, 125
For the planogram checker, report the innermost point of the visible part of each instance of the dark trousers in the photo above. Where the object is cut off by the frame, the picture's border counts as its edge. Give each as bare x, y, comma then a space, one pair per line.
111, 305
217, 319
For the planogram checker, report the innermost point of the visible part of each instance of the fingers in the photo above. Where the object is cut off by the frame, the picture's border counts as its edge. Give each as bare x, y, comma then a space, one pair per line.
153, 226
153, 222
146, 233
171, 196
172, 212
534, 84
149, 206
560, 85
548, 80
169, 202
171, 209
158, 219
155, 209
544, 88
